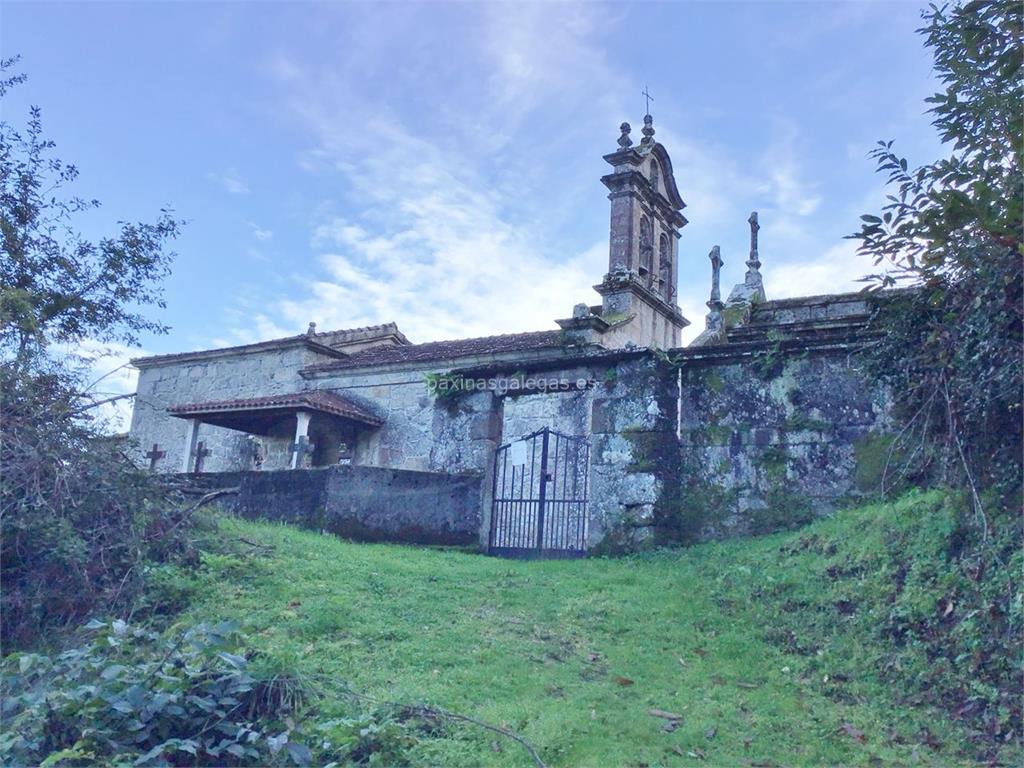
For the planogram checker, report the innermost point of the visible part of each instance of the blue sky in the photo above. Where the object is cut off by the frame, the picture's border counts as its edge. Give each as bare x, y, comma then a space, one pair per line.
438, 164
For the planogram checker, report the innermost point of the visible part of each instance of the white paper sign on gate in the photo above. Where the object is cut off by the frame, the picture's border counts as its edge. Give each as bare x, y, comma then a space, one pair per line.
517, 453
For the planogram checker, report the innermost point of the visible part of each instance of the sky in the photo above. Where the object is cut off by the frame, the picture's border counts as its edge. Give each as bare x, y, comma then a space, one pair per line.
438, 164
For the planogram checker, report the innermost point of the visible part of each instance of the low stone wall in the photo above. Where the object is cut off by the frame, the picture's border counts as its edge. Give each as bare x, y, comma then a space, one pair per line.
362, 503
772, 439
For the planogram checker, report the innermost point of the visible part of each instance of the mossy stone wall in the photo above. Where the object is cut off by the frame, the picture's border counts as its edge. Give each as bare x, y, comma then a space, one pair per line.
785, 436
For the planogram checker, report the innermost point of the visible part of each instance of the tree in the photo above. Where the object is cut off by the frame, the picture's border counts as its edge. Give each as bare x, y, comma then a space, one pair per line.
950, 351
77, 519
56, 286
952, 229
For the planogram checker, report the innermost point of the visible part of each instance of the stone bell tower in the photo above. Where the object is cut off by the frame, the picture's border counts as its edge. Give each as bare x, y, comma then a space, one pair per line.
643, 269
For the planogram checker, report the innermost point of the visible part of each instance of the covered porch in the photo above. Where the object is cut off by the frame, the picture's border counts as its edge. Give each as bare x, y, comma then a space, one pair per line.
312, 429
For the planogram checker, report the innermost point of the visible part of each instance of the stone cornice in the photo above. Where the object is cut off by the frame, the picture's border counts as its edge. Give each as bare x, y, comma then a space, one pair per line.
245, 349
628, 281
845, 340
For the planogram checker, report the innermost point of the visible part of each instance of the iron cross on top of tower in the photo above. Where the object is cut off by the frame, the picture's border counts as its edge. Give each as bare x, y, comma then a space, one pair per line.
648, 99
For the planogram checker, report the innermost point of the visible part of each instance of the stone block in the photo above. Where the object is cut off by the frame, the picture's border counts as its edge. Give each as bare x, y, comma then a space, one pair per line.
602, 415
486, 426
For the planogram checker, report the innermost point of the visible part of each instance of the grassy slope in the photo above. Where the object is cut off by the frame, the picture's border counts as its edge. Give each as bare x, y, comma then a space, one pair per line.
573, 654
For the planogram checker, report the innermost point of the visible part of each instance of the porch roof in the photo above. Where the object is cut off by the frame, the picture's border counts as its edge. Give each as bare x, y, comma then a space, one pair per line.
254, 414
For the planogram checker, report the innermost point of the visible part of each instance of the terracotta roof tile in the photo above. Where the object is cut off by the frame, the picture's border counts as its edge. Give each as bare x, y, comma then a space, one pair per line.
324, 402
444, 350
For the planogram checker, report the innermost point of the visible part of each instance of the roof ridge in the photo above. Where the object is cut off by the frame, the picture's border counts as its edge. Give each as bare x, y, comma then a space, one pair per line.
446, 349
389, 324
482, 338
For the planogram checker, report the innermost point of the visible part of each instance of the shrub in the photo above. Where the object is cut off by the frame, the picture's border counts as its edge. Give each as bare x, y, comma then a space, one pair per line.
952, 229
196, 696
132, 696
80, 523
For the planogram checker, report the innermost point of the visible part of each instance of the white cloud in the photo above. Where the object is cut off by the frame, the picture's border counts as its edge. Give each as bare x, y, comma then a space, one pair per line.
790, 198
260, 233
837, 270
109, 376
452, 228
438, 234
248, 322
231, 181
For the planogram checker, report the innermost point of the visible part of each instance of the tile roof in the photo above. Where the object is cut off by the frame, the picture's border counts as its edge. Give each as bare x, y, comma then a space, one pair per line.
444, 350
259, 346
322, 401
330, 343
339, 339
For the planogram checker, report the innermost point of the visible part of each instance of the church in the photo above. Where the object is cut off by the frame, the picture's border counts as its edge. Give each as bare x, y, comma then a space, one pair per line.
768, 404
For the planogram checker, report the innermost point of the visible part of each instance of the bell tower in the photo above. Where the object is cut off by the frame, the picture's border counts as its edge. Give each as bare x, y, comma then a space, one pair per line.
643, 254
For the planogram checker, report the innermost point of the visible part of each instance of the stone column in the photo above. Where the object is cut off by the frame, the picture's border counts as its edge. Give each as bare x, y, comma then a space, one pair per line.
191, 437
301, 431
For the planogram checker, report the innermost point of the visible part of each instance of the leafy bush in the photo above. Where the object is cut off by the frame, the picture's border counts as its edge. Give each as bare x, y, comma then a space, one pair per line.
379, 737
131, 696
80, 523
953, 229
194, 697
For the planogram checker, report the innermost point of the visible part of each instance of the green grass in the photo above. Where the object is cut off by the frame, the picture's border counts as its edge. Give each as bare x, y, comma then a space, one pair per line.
573, 654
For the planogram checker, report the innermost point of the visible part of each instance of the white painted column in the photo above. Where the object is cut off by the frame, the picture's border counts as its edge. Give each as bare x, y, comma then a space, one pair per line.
301, 430
191, 437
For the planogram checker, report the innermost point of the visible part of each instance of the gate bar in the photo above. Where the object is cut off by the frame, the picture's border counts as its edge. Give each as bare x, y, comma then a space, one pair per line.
543, 489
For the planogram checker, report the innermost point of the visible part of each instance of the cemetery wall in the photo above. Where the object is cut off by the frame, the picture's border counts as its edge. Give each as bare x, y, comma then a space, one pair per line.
360, 503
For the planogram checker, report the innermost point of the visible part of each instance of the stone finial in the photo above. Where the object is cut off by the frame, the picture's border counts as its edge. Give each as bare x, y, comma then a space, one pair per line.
311, 331
753, 262
647, 131
580, 310
624, 141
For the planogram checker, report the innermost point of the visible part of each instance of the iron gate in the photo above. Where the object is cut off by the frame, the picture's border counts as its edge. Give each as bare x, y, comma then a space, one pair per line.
539, 506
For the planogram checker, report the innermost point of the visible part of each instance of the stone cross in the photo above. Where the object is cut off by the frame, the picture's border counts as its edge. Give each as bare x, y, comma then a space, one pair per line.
201, 453
154, 456
301, 448
715, 321
716, 271
754, 261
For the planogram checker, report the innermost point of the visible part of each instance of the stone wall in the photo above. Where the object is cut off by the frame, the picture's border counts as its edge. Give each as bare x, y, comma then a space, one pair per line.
362, 503
268, 372
785, 433
565, 412
634, 452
